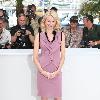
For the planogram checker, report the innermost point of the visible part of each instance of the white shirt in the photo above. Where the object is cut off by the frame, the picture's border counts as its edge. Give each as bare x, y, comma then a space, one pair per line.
5, 37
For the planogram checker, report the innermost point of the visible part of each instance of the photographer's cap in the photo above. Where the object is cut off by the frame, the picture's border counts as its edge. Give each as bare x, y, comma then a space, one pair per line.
89, 17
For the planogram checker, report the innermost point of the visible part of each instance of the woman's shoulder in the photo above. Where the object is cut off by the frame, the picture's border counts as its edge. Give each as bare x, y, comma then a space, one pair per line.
41, 34
58, 32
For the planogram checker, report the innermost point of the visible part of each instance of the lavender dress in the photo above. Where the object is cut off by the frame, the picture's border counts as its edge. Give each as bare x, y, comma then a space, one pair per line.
49, 60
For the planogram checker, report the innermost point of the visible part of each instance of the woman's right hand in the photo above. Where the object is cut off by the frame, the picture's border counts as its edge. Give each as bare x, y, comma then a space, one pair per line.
46, 74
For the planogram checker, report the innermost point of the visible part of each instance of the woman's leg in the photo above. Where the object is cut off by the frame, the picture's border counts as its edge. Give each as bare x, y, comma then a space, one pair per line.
44, 98
57, 98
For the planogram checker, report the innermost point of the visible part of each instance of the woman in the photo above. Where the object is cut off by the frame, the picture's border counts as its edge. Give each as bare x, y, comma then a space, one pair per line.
73, 34
49, 62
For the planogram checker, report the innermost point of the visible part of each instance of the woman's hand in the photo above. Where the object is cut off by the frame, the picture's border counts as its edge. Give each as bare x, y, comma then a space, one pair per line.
46, 74
50, 75
54, 74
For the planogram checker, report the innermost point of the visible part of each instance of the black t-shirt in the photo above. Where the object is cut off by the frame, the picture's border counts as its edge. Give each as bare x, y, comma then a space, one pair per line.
22, 41
91, 35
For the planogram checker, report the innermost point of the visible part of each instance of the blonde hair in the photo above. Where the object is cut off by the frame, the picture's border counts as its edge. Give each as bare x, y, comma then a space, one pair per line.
56, 18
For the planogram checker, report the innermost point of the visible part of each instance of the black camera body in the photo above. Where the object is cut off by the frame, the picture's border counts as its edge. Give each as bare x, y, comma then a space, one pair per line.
5, 15
21, 40
31, 14
1, 46
6, 46
85, 42
23, 35
22, 31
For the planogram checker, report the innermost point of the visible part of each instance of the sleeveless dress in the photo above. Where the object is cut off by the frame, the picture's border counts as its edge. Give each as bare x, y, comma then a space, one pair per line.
49, 59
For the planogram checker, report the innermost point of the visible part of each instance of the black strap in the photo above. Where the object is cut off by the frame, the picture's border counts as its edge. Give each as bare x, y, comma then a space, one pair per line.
61, 36
39, 37
39, 40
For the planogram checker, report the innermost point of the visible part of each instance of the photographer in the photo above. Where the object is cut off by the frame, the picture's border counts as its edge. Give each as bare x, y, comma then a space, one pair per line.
33, 18
91, 33
3, 14
5, 36
22, 35
73, 33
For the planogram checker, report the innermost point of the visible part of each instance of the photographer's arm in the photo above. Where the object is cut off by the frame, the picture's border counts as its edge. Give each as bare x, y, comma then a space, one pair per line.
14, 33
93, 43
31, 37
96, 42
14, 37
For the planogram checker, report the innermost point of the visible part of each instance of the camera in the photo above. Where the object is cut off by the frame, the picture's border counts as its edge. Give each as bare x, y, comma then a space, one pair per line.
1, 46
4, 15
7, 45
85, 44
22, 30
21, 41
31, 14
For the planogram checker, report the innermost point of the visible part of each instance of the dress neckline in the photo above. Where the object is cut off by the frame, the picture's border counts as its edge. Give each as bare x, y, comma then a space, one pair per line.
54, 34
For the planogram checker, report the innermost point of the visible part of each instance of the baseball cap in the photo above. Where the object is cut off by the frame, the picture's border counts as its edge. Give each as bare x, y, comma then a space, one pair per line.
89, 17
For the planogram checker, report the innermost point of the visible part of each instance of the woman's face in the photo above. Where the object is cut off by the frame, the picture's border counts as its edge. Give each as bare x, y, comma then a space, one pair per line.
50, 22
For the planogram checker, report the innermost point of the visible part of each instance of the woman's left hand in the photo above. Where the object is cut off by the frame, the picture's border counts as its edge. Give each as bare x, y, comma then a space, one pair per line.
54, 74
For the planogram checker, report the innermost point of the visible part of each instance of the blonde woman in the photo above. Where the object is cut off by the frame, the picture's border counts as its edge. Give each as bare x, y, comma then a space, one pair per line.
49, 62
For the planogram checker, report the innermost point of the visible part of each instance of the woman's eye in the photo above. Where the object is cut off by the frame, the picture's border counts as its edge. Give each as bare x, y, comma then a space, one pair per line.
48, 21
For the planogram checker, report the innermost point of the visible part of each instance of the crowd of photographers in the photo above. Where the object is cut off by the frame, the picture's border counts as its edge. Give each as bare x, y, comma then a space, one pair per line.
22, 35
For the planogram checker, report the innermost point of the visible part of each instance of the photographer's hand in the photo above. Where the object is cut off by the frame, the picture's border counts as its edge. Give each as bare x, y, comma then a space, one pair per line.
18, 33
28, 32
91, 43
31, 37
